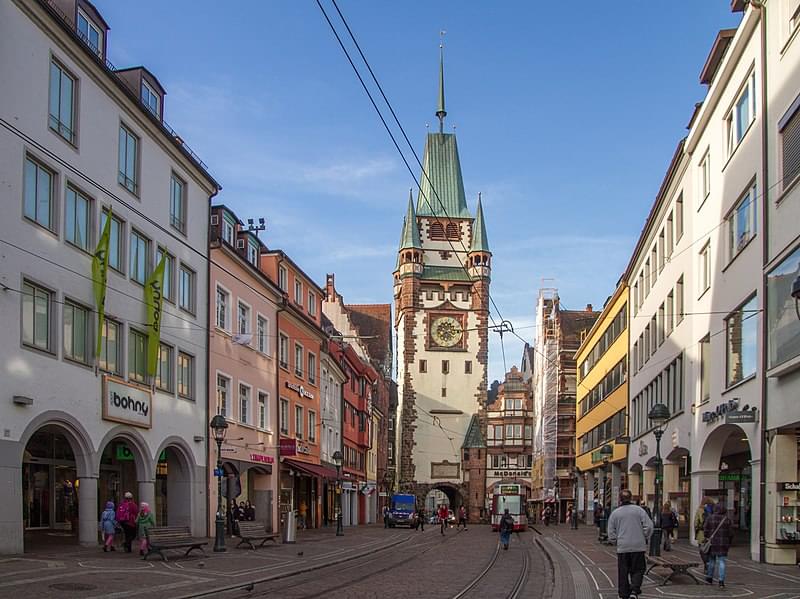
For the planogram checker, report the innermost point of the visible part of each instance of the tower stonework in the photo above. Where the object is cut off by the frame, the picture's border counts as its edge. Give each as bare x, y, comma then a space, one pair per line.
441, 292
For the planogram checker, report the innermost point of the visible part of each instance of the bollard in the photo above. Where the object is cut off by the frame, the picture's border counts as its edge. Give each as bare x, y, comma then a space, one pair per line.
289, 528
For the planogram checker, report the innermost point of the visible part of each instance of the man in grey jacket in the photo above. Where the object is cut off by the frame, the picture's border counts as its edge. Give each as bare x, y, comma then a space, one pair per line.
630, 526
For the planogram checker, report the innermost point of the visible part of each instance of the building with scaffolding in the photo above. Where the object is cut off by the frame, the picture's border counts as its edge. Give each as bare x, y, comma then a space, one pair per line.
559, 334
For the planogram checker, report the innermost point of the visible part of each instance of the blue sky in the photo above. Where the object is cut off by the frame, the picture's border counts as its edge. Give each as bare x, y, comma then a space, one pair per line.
567, 114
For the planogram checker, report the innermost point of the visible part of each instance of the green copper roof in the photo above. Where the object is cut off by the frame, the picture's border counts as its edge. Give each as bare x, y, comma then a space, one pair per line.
445, 273
473, 438
480, 242
410, 237
443, 168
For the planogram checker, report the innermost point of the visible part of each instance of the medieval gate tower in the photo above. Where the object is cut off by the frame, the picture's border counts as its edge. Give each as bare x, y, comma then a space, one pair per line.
441, 292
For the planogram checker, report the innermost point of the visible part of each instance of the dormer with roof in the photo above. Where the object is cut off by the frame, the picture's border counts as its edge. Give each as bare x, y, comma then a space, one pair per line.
88, 22
146, 87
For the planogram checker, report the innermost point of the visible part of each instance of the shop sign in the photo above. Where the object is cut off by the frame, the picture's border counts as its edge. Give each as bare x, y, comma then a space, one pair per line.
720, 411
287, 447
789, 486
126, 403
300, 390
126, 455
261, 458
730, 476
511, 473
739, 417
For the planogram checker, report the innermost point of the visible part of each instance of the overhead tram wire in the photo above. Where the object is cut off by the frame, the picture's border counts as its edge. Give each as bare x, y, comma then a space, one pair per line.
397, 146
405, 136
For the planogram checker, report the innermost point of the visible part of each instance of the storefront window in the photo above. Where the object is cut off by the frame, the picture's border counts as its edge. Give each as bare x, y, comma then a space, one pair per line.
783, 324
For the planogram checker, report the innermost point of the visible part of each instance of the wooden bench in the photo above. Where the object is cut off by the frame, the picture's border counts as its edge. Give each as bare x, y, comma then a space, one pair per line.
254, 531
676, 564
160, 538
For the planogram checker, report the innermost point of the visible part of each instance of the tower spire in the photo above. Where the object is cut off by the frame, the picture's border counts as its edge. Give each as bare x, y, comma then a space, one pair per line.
410, 237
440, 111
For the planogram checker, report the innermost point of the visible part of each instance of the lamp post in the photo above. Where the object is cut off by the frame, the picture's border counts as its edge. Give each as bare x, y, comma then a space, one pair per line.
219, 427
606, 453
337, 461
659, 414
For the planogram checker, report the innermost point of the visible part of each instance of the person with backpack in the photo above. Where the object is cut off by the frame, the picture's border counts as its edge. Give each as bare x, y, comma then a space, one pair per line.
127, 512
718, 534
669, 522
144, 522
108, 526
506, 528
700, 517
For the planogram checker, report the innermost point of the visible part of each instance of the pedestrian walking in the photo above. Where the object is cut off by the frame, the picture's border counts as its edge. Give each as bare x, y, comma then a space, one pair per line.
700, 516
302, 511
144, 522
108, 526
506, 528
548, 513
462, 517
420, 522
444, 514
630, 527
127, 513
719, 534
385, 517
669, 521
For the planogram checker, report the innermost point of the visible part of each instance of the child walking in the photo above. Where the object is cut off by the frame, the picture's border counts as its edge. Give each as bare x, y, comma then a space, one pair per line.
108, 526
144, 522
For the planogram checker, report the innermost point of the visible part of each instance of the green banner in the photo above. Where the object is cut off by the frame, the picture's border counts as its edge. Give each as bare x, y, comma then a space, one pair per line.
100, 278
154, 301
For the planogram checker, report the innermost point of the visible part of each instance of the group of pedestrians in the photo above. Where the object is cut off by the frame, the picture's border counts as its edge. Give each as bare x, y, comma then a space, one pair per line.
131, 520
630, 527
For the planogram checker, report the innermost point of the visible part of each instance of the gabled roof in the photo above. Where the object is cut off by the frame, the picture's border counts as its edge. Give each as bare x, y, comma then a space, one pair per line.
480, 241
474, 437
443, 169
375, 322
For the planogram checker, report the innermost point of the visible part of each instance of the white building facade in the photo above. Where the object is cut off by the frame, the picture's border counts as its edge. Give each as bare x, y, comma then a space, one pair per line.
79, 139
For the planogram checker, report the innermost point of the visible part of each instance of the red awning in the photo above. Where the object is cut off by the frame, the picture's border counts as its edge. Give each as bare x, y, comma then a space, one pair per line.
312, 469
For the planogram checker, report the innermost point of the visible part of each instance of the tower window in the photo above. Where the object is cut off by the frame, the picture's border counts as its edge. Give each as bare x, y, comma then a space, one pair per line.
445, 366
437, 230
423, 366
444, 391
453, 231
468, 367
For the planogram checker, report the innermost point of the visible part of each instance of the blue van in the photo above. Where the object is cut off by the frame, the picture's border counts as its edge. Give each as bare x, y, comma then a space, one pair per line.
403, 510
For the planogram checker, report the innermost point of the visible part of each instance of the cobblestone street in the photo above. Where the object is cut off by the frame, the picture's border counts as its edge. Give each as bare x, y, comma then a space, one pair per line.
367, 562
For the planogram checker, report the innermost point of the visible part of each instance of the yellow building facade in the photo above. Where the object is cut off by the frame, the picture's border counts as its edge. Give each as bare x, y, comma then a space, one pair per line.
601, 407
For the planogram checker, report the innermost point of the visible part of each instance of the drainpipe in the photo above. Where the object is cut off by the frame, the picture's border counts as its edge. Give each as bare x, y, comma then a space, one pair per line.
278, 398
761, 7
208, 361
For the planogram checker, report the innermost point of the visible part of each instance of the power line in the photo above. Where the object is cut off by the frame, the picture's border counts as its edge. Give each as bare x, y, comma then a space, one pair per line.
392, 136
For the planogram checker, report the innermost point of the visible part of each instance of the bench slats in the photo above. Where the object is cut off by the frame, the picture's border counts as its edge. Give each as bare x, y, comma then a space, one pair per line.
160, 538
254, 531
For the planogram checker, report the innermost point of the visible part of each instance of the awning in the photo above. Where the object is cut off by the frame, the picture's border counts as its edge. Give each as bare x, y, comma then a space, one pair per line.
311, 469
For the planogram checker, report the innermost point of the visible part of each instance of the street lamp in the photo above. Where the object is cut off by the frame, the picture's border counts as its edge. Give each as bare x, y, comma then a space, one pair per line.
659, 414
219, 427
337, 461
606, 453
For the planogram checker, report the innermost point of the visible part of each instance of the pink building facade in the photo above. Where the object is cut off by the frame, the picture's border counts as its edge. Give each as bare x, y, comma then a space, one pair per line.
242, 369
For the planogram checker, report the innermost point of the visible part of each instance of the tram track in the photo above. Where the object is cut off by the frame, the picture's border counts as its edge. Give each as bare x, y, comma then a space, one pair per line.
285, 581
519, 583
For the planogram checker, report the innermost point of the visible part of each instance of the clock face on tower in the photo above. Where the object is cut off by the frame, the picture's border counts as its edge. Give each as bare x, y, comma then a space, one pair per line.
446, 331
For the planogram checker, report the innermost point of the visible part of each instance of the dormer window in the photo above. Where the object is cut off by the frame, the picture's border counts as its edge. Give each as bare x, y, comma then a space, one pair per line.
90, 33
252, 254
150, 98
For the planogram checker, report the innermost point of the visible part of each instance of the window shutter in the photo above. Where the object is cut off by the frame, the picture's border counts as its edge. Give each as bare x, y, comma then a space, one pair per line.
791, 149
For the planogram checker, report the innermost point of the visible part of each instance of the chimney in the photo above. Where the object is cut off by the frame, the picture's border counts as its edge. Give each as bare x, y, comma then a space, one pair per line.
588, 307
330, 287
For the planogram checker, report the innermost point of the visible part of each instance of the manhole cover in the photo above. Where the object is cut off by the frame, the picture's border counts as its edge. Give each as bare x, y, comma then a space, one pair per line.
73, 586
